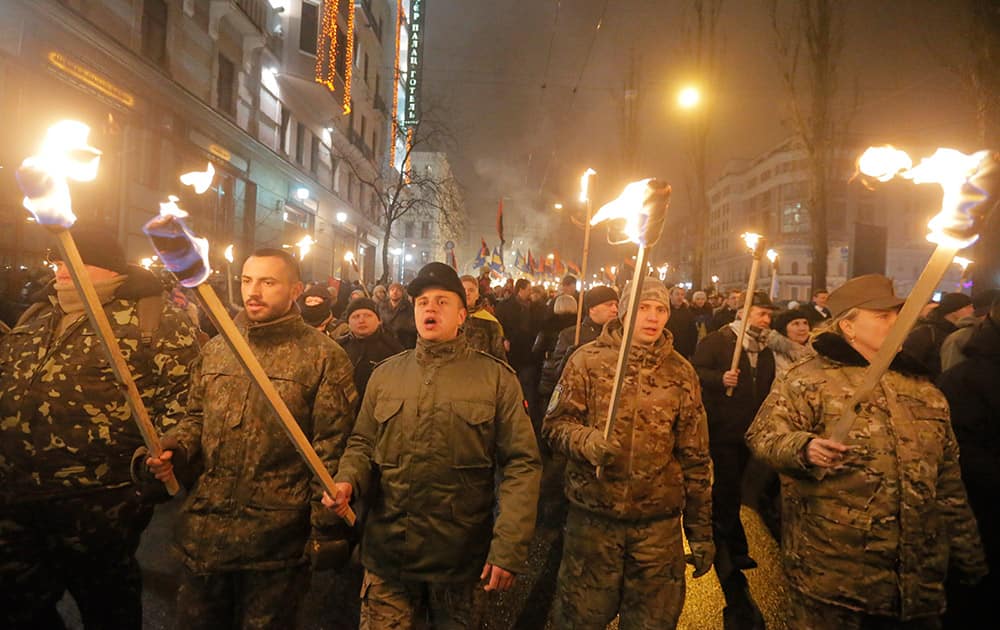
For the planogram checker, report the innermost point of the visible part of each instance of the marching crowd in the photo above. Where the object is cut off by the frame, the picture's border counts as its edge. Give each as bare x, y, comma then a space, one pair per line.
437, 407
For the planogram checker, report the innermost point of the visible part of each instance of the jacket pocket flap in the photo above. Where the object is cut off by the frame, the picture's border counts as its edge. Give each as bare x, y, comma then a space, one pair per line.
385, 409
473, 412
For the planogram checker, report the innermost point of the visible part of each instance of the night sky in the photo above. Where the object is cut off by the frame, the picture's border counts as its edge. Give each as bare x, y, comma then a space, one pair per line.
533, 99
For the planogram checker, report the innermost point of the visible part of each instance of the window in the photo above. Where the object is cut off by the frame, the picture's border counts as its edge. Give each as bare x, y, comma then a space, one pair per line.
226, 86
366, 69
314, 155
286, 120
408, 230
794, 218
154, 31
300, 142
309, 28
425, 230
364, 127
378, 81
795, 267
340, 63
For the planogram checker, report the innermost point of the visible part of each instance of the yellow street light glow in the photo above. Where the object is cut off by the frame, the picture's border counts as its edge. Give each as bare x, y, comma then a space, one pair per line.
558, 206
229, 253
689, 97
715, 279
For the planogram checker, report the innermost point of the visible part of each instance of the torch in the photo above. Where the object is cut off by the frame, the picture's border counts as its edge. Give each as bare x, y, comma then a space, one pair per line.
755, 243
186, 256
229, 274
772, 255
349, 258
584, 198
643, 206
965, 181
715, 283
66, 155
964, 263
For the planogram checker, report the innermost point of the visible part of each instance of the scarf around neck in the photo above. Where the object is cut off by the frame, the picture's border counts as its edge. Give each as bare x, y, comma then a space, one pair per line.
72, 304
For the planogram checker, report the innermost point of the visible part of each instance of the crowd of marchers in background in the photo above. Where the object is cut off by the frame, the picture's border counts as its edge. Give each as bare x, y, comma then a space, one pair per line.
437, 406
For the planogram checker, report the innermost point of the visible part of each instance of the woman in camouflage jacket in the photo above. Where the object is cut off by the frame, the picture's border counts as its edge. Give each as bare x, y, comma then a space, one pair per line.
869, 527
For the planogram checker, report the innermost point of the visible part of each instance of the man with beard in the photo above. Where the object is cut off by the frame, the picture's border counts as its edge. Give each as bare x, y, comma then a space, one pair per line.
243, 531
728, 419
439, 425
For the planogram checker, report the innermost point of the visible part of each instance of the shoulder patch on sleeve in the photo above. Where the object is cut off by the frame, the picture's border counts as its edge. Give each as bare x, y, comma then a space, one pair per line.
554, 400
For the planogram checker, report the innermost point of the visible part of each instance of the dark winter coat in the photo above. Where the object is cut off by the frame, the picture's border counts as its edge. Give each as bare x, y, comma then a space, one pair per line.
399, 321
729, 417
682, 326
521, 324
554, 363
721, 317
924, 342
973, 391
366, 353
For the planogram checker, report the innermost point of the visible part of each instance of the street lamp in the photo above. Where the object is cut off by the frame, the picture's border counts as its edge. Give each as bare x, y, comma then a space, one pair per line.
689, 97
557, 206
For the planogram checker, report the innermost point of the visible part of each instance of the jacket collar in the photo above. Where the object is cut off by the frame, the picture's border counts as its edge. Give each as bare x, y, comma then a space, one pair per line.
440, 351
613, 332
276, 327
835, 348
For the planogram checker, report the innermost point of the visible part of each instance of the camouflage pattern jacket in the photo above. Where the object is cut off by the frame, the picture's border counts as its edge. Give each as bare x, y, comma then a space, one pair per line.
878, 533
665, 469
435, 424
65, 425
250, 508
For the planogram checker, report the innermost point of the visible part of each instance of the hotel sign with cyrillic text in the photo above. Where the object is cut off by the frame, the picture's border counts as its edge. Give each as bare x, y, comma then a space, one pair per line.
414, 63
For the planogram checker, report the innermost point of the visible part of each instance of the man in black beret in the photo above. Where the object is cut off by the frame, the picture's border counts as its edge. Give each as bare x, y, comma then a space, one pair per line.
438, 425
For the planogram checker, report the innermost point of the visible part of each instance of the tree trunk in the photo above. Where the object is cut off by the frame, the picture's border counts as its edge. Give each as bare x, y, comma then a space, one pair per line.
386, 272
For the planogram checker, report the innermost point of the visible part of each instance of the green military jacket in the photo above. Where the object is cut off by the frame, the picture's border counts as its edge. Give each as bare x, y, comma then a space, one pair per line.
65, 424
879, 533
250, 508
665, 468
437, 426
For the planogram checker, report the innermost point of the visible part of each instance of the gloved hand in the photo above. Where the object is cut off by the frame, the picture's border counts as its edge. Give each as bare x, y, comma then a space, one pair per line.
330, 544
701, 557
599, 451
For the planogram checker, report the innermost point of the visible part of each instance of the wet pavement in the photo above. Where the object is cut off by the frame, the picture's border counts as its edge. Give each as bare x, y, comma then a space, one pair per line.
332, 601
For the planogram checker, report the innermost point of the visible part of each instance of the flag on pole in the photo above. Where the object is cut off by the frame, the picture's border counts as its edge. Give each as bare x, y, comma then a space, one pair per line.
518, 260
530, 263
573, 267
500, 224
484, 253
452, 261
496, 262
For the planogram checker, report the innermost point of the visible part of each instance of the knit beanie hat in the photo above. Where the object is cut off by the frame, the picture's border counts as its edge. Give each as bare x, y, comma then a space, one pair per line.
652, 289
599, 295
359, 304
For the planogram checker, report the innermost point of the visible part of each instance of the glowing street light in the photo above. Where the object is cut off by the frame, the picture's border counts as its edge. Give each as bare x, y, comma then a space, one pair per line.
689, 97
557, 206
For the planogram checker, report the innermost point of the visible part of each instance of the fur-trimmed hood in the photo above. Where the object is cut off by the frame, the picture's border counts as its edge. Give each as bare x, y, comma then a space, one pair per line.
834, 347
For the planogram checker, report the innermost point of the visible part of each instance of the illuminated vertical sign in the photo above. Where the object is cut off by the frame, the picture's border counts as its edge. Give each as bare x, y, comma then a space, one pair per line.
414, 63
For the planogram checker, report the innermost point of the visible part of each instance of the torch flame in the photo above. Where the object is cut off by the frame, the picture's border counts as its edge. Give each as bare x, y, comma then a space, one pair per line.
772, 255
169, 208
949, 168
199, 180
962, 262
349, 257
64, 154
642, 205
305, 244
585, 185
752, 240
228, 254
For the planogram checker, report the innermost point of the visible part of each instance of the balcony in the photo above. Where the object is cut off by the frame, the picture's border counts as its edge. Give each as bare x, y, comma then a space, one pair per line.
369, 15
361, 145
249, 17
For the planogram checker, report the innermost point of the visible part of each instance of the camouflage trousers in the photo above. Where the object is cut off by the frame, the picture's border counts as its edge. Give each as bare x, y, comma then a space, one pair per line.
241, 599
634, 569
84, 544
403, 605
811, 614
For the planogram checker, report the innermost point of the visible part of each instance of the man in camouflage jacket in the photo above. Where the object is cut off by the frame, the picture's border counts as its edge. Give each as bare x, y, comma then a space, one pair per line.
623, 549
243, 530
875, 535
70, 517
438, 426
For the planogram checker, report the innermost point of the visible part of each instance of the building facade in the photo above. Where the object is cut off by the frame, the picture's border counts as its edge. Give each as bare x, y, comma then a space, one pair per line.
167, 86
769, 194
